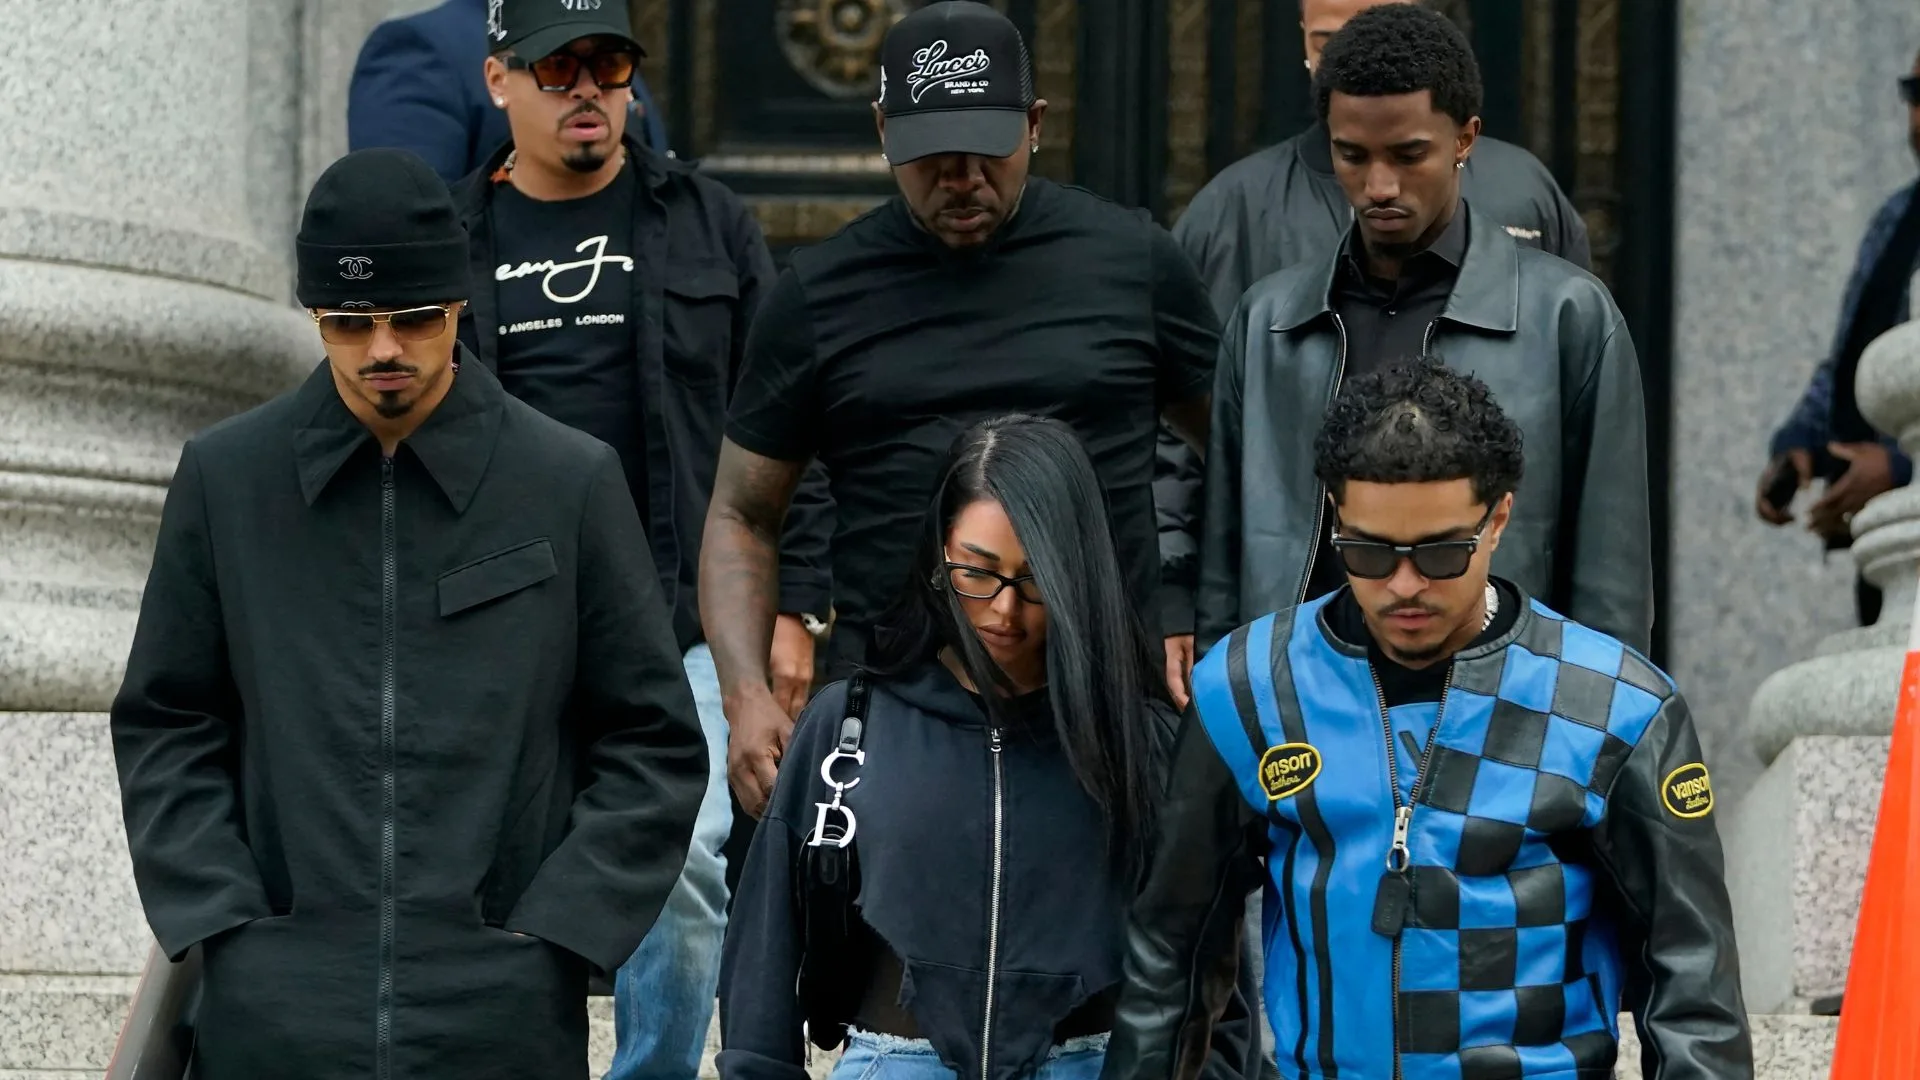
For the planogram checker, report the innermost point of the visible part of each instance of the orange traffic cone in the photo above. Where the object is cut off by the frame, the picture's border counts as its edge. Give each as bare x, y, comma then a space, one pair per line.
1879, 1027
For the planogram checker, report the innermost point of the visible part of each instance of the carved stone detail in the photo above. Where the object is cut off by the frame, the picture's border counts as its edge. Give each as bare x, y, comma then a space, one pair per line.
835, 44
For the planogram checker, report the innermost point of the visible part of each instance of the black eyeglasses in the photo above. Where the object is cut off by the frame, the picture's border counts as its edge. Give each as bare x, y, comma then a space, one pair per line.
977, 583
556, 73
1436, 560
1910, 90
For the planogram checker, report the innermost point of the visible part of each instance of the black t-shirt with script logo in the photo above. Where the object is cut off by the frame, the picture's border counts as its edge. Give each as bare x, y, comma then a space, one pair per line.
563, 273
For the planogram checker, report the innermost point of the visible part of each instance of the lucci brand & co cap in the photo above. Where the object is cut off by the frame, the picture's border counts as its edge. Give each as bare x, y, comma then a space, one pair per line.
954, 79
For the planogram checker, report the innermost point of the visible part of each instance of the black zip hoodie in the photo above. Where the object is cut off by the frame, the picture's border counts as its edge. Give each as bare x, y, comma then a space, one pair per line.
931, 789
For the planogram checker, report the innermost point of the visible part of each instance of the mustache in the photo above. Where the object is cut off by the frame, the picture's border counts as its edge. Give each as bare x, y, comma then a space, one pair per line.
389, 367
587, 108
1408, 607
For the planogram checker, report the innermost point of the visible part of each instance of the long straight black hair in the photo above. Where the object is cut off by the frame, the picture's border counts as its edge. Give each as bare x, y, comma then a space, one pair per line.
1102, 672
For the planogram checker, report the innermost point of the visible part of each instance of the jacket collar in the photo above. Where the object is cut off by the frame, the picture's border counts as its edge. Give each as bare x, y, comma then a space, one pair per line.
1486, 293
1314, 148
1517, 631
455, 443
654, 169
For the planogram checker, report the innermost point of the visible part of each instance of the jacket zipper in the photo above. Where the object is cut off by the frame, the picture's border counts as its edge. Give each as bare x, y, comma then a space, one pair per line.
389, 602
1320, 490
993, 902
1399, 856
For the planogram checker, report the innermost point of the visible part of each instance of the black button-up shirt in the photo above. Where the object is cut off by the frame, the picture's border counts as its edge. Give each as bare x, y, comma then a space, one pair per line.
1386, 322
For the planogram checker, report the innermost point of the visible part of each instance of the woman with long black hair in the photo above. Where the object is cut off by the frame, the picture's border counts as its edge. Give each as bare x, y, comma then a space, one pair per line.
942, 875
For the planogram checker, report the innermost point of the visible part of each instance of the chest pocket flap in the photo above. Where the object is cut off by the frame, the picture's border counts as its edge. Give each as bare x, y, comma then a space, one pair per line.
491, 577
710, 282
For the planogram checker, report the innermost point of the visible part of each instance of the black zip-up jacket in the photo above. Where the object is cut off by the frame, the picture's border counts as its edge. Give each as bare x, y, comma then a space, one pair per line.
1549, 342
700, 271
1282, 206
383, 715
930, 792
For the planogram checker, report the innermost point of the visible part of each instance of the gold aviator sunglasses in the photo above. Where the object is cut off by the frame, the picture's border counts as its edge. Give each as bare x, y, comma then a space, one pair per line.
356, 327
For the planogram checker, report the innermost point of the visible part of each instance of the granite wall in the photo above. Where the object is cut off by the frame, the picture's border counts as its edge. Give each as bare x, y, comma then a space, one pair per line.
145, 292
1790, 135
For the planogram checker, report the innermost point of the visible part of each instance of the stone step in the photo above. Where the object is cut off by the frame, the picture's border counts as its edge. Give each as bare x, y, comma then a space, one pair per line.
63, 1027
61, 1022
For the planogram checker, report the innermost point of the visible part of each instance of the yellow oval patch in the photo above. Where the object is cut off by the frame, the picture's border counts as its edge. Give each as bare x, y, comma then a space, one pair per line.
1688, 791
1287, 769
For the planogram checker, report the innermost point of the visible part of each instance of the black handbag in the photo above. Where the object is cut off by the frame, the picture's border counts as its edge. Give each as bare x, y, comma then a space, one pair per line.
826, 879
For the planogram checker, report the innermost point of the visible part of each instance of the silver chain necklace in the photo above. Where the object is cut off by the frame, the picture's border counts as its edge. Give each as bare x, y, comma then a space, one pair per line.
1493, 607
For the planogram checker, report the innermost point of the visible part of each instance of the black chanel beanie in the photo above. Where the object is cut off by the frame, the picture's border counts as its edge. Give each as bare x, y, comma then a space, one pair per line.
380, 231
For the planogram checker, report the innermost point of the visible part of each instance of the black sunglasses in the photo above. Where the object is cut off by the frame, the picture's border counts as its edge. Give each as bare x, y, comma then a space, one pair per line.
1436, 560
978, 583
1910, 90
557, 73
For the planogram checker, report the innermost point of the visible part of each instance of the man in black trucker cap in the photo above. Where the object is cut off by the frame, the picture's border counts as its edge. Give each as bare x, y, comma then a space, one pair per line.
613, 291
404, 742
979, 290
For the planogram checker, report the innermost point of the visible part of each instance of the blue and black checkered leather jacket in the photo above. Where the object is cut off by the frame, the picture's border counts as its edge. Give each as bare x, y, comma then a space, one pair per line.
1482, 909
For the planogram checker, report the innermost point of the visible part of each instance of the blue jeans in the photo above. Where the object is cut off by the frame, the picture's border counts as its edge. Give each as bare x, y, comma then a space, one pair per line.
663, 996
889, 1057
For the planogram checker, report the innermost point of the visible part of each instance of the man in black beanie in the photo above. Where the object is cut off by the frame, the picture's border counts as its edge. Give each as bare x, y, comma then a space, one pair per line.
404, 742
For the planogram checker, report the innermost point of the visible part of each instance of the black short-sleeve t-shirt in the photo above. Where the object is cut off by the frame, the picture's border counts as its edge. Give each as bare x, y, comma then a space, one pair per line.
563, 277
879, 346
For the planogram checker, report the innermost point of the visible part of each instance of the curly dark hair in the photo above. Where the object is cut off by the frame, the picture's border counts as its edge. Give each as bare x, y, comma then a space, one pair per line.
1401, 49
1415, 422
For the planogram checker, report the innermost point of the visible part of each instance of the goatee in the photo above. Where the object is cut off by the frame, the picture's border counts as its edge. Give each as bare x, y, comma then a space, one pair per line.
585, 160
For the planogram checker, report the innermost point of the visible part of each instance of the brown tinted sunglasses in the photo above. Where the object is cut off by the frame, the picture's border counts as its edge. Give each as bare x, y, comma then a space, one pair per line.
557, 73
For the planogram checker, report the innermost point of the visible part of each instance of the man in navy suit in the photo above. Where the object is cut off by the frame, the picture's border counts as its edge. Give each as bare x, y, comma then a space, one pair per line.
420, 85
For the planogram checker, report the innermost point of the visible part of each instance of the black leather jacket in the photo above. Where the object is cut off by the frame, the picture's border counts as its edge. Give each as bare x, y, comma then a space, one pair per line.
1282, 206
1665, 891
1549, 342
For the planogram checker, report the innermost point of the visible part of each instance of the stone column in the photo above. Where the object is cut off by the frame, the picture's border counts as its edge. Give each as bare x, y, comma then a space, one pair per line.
1764, 244
1797, 843
146, 227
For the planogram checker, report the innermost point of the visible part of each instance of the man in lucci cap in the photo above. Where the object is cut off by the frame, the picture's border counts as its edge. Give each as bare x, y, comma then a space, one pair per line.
981, 290
404, 741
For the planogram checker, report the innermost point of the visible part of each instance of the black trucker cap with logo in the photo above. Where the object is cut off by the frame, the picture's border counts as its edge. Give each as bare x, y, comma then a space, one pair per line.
954, 79
535, 28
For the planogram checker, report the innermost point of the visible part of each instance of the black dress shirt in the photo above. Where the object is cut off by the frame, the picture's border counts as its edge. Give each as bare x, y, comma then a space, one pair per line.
1386, 322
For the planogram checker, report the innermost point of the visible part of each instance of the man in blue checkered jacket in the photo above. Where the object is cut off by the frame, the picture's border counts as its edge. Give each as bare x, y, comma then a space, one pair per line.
1482, 827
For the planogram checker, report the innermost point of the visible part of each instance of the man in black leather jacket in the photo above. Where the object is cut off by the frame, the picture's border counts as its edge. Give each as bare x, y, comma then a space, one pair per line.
1483, 829
1283, 205
1423, 272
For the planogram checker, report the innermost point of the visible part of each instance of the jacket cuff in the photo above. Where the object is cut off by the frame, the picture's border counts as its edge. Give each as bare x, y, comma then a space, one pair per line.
577, 935
174, 940
1174, 602
806, 592
1791, 436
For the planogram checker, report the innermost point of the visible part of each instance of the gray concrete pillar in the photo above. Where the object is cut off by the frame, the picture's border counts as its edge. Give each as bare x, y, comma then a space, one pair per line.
153, 160
1798, 841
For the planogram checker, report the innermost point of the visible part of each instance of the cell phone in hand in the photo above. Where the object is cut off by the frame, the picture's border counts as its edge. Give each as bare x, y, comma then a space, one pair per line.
1782, 485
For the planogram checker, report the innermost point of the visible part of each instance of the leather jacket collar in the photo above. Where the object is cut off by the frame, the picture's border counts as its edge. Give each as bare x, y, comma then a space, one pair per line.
1486, 294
